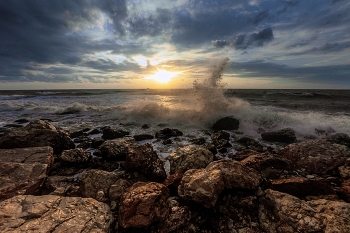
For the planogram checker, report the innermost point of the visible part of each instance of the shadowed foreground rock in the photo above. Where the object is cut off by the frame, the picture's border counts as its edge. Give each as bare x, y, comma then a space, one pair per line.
315, 156
284, 135
42, 155
284, 213
54, 214
77, 155
226, 123
116, 149
142, 204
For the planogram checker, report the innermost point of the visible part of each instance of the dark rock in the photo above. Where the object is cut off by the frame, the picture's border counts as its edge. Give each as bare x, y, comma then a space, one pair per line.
179, 217
324, 132
198, 141
77, 155
145, 126
162, 125
76, 134
21, 121
173, 181
244, 154
13, 126
284, 135
84, 145
81, 139
36, 134
109, 133
167, 142
117, 189
226, 123
54, 182
315, 156
344, 191
220, 135
144, 159
143, 204
344, 171
212, 149
262, 161
96, 142
95, 131
250, 143
116, 149
142, 137
340, 138
105, 164
300, 187
168, 133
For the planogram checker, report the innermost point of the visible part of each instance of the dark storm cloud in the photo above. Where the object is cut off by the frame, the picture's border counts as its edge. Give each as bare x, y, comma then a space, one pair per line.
242, 41
331, 74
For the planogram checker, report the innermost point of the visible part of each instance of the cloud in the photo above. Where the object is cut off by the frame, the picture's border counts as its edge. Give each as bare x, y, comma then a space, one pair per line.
325, 49
242, 42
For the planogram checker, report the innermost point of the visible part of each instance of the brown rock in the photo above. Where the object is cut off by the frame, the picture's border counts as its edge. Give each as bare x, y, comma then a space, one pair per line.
315, 156
21, 178
202, 186
55, 182
260, 162
244, 154
179, 217
172, 182
144, 159
37, 133
344, 191
284, 213
344, 172
235, 174
77, 155
189, 157
116, 149
142, 204
286, 135
96, 180
298, 186
54, 214
117, 189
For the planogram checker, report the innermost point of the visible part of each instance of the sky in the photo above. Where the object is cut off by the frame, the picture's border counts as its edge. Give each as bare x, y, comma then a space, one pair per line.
271, 44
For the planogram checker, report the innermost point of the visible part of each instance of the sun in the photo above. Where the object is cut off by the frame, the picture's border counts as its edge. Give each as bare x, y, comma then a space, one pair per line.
163, 76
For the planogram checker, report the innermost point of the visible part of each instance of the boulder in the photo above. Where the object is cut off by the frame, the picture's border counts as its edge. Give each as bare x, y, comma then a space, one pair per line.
21, 178
284, 213
96, 142
43, 155
95, 131
226, 123
77, 155
143, 204
235, 174
117, 189
300, 187
189, 157
286, 135
105, 164
202, 186
94, 181
344, 191
168, 133
198, 141
340, 138
262, 161
26, 213
240, 155
76, 134
84, 145
172, 182
55, 182
37, 134
81, 139
144, 159
116, 149
315, 156
250, 143
344, 172
220, 135
141, 137
109, 133
179, 217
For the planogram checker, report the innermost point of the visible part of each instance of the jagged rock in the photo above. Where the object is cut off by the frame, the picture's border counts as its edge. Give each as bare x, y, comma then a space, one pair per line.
77, 155
235, 174
284, 135
226, 123
21, 178
173, 181
84, 145
76, 134
179, 217
251, 143
82, 139
25, 213
109, 133
95, 131
262, 161
340, 138
315, 156
116, 149
344, 191
143, 204
117, 189
198, 141
96, 142
202, 186
142, 137
189, 157
284, 213
244, 154
105, 164
299, 187
96, 180
168, 133
55, 182
37, 134
144, 159
220, 135
344, 172
42, 155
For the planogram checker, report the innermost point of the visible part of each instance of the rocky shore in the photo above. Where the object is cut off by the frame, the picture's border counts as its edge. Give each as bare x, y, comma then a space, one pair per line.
119, 183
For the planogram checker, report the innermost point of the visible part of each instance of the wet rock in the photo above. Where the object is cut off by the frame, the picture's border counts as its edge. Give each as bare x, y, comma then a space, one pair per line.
198, 141
144, 159
315, 156
145, 126
262, 161
179, 217
105, 164
168, 133
299, 187
76, 134
226, 123
117, 189
189, 157
344, 191
84, 145
244, 154
21, 178
50, 213
81, 139
116, 149
235, 174
96, 142
55, 182
202, 186
109, 133
142, 137
77, 155
284, 135
22, 121
96, 180
143, 204
167, 142
95, 131
340, 138
220, 135
284, 213
250, 143
43, 155
13, 126
37, 134
172, 182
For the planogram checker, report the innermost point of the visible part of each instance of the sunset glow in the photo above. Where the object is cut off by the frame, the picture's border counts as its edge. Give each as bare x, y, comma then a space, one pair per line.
163, 76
